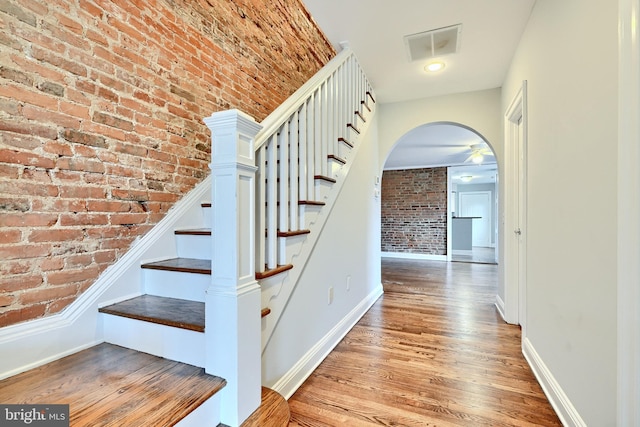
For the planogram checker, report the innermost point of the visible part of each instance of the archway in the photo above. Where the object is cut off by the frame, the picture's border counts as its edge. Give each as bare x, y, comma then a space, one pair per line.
450, 157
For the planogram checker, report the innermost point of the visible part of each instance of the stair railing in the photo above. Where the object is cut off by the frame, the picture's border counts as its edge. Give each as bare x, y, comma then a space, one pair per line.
295, 147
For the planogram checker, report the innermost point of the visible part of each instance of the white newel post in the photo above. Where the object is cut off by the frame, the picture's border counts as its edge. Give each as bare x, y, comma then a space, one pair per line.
233, 300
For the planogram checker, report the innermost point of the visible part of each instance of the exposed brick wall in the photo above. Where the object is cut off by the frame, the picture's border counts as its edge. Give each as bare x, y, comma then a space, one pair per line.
414, 211
101, 131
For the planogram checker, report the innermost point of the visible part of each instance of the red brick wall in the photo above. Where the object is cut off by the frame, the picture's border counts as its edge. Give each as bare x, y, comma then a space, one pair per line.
101, 132
414, 211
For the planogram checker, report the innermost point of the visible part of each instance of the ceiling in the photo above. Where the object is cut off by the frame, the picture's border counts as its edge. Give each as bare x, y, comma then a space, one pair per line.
375, 31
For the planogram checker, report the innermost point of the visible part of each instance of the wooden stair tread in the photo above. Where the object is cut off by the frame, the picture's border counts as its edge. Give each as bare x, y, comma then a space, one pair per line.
337, 159
185, 265
345, 141
174, 312
194, 232
311, 203
292, 233
273, 411
108, 385
273, 271
325, 178
353, 126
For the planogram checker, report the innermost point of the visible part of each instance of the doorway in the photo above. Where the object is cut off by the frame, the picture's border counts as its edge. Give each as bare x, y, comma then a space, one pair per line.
425, 152
474, 204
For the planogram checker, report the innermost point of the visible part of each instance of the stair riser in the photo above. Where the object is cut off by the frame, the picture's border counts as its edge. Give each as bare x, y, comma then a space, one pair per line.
334, 167
190, 246
177, 344
322, 190
344, 151
176, 284
208, 221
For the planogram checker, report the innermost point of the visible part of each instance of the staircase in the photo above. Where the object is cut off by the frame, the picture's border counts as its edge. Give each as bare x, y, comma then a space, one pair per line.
213, 295
168, 318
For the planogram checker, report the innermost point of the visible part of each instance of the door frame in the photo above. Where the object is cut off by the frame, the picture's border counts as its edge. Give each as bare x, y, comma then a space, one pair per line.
515, 245
628, 286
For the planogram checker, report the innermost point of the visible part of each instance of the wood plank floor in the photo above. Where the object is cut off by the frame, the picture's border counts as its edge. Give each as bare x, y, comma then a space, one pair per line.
273, 411
111, 386
433, 351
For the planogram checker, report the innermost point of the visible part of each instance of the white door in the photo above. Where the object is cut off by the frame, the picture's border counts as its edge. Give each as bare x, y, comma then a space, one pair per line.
477, 204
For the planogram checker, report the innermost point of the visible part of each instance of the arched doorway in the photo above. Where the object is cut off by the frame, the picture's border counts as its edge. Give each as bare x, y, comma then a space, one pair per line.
444, 180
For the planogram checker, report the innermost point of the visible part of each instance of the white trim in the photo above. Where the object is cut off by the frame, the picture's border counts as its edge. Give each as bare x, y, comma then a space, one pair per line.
299, 372
462, 251
78, 327
450, 204
406, 255
512, 269
628, 366
567, 413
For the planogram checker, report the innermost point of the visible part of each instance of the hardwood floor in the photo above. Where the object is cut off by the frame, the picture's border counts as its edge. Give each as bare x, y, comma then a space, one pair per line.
433, 351
112, 386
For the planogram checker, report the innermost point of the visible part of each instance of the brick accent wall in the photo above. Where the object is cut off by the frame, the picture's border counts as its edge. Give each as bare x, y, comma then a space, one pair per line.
101, 131
414, 211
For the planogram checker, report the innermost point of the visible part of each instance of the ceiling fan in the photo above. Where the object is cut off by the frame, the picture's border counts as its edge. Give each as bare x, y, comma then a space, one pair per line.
478, 153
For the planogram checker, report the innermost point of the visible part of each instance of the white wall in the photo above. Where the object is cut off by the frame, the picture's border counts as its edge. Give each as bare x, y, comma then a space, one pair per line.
478, 110
350, 248
568, 55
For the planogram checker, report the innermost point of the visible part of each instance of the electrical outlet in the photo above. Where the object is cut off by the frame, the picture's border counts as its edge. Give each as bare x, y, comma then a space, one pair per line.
330, 294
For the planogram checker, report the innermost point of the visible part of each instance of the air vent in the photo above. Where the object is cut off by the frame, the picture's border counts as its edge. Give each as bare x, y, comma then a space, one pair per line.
434, 43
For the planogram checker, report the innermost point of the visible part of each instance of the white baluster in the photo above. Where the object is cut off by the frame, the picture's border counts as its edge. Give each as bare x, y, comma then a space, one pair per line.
311, 144
303, 142
283, 190
293, 173
261, 203
319, 162
272, 203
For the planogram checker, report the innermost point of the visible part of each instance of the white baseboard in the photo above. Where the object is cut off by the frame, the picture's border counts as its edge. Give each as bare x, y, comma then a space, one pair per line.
407, 255
293, 379
462, 252
500, 307
567, 413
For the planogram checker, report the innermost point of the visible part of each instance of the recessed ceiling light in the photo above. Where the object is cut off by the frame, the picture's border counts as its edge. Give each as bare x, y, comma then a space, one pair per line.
433, 67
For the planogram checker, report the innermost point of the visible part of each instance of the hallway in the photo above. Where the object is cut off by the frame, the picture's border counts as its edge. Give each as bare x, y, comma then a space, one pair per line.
432, 351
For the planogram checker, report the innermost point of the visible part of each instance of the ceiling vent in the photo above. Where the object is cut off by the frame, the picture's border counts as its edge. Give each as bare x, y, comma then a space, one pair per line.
434, 43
